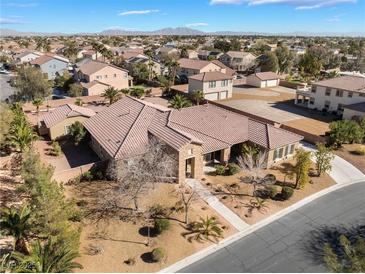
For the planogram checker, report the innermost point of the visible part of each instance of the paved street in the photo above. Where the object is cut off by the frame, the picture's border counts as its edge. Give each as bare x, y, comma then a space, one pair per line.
285, 245
5, 89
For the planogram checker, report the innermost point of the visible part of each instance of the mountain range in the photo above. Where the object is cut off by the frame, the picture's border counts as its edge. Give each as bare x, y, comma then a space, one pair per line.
179, 31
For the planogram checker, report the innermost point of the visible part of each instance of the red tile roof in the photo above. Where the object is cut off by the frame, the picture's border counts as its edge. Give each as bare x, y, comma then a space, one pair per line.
211, 76
65, 111
123, 128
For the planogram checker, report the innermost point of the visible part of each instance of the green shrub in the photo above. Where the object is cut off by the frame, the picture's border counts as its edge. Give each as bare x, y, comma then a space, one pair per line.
158, 254
272, 191
220, 169
233, 168
87, 176
286, 192
161, 225
56, 149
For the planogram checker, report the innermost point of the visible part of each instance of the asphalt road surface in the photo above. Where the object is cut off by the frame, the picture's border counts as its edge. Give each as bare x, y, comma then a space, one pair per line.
294, 242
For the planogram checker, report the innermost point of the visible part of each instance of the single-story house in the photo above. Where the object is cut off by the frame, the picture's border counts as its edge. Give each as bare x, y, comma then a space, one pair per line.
195, 135
56, 123
354, 111
215, 85
263, 79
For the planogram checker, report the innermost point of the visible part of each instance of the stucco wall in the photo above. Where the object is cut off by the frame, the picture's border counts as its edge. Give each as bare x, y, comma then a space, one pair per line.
184, 154
53, 67
112, 76
349, 113
58, 130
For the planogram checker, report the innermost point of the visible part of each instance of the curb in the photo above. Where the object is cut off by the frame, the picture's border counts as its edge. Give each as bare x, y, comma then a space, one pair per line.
222, 244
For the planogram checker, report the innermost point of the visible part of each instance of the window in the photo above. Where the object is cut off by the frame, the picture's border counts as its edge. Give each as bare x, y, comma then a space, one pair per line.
106, 76
275, 154
328, 92
67, 129
349, 94
339, 93
190, 151
291, 151
281, 151
327, 104
340, 107
311, 101
313, 89
212, 84
224, 83
286, 150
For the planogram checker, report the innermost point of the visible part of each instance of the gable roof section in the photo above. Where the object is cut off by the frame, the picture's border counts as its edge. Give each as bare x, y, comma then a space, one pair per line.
92, 66
348, 82
192, 63
268, 75
65, 111
229, 71
211, 76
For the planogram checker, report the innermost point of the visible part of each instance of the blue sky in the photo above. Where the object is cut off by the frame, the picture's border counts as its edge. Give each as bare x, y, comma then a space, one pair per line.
72, 16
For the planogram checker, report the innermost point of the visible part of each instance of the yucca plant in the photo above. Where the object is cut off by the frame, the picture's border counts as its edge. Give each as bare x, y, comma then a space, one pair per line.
205, 229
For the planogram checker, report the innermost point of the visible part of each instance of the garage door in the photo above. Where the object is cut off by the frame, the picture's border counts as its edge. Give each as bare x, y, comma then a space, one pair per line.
224, 95
211, 96
272, 83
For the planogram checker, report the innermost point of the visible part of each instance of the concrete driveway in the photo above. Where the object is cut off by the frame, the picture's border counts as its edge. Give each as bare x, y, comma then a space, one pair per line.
293, 242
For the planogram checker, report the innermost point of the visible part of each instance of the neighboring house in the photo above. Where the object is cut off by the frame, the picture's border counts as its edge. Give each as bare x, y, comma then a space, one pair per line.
238, 60
192, 54
209, 54
27, 56
215, 85
96, 76
143, 59
354, 111
190, 67
332, 95
51, 65
195, 136
263, 79
165, 53
57, 122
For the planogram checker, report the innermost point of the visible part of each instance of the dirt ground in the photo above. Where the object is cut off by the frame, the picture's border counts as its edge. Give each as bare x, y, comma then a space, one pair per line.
122, 240
240, 203
347, 152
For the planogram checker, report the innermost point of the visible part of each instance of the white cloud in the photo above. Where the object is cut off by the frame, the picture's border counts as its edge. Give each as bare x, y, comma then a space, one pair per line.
11, 20
119, 28
131, 12
196, 25
334, 18
299, 4
20, 5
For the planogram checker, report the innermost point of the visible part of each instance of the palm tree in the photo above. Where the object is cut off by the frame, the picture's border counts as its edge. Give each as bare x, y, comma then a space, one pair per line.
137, 92
48, 258
179, 102
22, 135
198, 96
97, 47
37, 103
150, 66
112, 94
70, 50
78, 102
205, 229
15, 222
172, 65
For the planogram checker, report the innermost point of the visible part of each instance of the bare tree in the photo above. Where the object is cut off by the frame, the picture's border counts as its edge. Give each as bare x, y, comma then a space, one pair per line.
187, 196
254, 166
137, 175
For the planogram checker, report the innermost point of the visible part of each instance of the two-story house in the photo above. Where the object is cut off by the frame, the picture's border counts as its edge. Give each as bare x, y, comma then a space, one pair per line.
331, 95
143, 59
96, 76
238, 60
215, 85
51, 65
190, 67
27, 56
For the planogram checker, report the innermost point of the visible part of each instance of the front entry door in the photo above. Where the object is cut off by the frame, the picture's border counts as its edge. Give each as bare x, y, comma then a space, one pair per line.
189, 168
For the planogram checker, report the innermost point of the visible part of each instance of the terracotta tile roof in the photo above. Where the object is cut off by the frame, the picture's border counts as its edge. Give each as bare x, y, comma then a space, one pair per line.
268, 75
352, 83
229, 71
123, 129
237, 54
92, 83
211, 76
65, 111
47, 57
192, 63
92, 66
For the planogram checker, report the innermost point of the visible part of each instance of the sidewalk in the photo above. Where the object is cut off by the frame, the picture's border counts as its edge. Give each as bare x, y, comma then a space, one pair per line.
214, 202
342, 171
